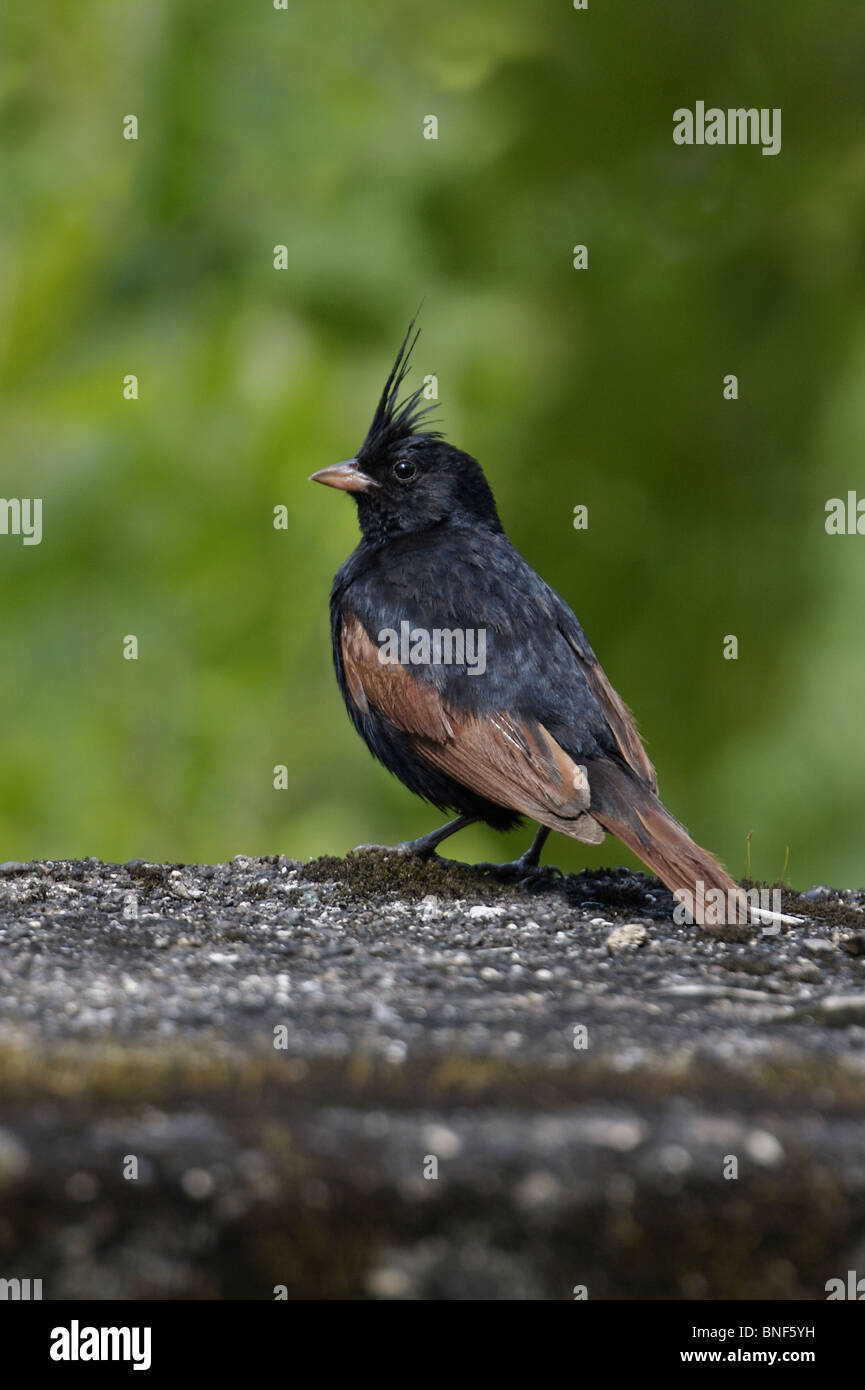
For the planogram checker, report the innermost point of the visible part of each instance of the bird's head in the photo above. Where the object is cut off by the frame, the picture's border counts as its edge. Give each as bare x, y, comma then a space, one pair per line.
405, 478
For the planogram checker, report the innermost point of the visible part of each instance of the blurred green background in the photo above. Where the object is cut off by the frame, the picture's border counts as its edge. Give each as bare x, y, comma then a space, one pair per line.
602, 387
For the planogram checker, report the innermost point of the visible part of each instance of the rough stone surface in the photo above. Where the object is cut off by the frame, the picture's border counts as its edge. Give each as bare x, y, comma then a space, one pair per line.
375, 1078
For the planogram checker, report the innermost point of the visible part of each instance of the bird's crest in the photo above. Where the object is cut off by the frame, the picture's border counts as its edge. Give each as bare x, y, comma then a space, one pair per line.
394, 419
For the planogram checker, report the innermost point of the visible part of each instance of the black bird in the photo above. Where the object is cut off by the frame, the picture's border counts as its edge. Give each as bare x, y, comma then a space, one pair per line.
539, 732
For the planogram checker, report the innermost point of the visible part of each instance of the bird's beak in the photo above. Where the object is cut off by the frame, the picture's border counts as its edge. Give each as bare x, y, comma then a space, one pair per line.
346, 476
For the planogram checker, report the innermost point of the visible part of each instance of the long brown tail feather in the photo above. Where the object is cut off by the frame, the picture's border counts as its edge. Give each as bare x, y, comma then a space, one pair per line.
633, 813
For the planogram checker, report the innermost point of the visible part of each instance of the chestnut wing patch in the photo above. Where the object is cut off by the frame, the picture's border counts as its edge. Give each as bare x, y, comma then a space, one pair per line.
413, 706
512, 762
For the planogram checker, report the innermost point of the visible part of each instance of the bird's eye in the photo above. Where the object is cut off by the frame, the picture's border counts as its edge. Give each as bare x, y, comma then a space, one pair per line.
404, 470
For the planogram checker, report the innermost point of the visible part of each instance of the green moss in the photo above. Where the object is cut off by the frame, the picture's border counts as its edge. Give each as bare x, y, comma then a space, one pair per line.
369, 873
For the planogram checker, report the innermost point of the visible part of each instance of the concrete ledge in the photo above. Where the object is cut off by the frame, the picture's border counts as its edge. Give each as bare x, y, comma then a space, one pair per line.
372, 1078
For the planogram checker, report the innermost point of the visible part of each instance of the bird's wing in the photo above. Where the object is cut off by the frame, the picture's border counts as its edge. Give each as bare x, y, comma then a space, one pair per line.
513, 762
620, 720
616, 713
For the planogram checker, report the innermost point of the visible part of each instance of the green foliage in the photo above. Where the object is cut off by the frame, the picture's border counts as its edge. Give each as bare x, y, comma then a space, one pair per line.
601, 387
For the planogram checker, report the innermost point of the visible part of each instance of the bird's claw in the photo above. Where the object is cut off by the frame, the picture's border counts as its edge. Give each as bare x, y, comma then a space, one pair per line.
520, 871
406, 849
380, 849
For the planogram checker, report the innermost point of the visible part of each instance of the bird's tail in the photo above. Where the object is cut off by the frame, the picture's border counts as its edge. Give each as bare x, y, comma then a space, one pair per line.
633, 813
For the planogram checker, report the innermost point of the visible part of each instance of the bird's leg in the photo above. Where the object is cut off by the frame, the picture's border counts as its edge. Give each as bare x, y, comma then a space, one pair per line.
528, 864
532, 857
426, 845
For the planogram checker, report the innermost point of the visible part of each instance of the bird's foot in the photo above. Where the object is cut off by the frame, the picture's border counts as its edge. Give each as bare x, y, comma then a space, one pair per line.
416, 849
425, 846
378, 849
525, 870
